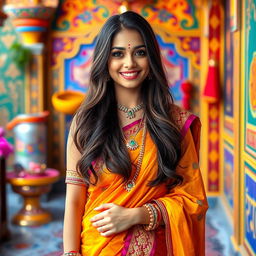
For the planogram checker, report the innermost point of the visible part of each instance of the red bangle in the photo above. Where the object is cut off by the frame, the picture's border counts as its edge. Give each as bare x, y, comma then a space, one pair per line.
159, 215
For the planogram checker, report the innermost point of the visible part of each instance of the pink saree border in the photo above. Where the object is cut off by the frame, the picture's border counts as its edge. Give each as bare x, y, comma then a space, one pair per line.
133, 242
168, 237
187, 124
128, 126
127, 243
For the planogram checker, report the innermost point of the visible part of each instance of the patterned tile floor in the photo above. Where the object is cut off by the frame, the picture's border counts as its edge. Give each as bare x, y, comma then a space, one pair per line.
47, 239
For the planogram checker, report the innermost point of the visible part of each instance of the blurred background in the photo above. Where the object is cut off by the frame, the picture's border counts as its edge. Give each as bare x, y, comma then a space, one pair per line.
209, 53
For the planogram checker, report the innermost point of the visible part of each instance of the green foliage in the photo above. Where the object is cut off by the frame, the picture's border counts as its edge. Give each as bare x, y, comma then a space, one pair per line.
20, 54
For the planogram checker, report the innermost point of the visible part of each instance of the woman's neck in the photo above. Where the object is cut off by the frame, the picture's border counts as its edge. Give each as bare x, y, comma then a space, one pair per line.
128, 97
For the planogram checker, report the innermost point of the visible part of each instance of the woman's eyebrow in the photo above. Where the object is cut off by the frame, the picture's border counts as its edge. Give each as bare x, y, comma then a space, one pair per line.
123, 48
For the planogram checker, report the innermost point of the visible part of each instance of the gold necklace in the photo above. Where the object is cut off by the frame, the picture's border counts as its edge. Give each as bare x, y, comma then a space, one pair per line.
130, 111
130, 184
131, 143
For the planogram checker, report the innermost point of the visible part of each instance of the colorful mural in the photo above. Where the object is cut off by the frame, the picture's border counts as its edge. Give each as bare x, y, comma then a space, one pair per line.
250, 83
175, 15
250, 208
77, 69
229, 71
12, 79
249, 128
177, 67
228, 112
229, 174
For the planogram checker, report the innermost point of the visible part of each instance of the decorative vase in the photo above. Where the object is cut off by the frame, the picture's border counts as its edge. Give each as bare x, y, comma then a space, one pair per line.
68, 101
30, 138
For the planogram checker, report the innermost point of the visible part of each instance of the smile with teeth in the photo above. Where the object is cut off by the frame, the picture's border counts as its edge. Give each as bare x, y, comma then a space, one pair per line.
129, 75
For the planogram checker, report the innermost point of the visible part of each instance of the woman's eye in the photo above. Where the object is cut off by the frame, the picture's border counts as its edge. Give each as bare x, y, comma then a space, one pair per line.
140, 53
117, 54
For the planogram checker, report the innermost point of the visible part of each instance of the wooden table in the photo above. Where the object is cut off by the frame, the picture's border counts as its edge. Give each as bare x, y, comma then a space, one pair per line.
31, 188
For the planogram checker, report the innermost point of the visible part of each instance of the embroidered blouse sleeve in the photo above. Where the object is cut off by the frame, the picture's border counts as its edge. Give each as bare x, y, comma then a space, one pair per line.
73, 176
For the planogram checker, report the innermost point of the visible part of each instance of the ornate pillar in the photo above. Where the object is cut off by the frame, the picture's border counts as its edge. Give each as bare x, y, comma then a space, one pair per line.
31, 20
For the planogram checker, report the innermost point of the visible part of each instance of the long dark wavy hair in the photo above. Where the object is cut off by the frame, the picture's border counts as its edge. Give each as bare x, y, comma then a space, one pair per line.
98, 133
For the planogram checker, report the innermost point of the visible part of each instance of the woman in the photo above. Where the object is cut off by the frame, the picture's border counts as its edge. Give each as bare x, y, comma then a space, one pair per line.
133, 182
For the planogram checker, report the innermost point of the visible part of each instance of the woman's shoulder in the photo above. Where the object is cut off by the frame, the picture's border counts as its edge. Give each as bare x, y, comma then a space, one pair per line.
182, 118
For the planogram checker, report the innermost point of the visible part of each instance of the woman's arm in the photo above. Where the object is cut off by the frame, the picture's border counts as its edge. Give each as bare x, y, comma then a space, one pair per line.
75, 197
74, 210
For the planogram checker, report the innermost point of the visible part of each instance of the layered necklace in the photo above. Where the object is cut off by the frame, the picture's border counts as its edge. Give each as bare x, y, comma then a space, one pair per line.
130, 184
131, 143
130, 112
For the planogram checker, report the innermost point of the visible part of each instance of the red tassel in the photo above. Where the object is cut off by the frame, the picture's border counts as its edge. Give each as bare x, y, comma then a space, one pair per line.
186, 87
212, 86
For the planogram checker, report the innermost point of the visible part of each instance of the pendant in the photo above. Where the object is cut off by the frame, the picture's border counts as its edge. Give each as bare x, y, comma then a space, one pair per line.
130, 184
132, 144
130, 113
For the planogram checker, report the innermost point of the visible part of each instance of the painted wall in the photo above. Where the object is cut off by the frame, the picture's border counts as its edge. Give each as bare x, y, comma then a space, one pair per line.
12, 79
239, 123
248, 135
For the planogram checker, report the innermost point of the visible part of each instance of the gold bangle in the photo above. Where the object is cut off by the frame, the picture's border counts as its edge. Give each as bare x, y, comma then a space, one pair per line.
151, 218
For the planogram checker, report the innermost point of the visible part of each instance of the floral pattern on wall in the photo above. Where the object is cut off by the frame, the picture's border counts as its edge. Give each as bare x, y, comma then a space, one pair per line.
12, 79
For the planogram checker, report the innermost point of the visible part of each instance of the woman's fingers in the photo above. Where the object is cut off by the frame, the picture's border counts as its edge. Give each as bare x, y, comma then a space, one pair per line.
101, 222
104, 206
105, 228
108, 233
120, 219
99, 216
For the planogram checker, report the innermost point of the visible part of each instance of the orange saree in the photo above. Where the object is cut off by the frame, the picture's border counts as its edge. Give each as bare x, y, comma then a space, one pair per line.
183, 208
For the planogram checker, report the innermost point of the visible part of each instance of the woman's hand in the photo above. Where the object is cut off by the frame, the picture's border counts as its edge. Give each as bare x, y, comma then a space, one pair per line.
114, 219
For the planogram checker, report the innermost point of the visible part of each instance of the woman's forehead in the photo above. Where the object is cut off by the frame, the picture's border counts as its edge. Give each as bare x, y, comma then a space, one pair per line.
127, 38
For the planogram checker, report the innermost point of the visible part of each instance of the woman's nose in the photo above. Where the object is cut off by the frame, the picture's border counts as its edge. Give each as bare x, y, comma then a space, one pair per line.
129, 62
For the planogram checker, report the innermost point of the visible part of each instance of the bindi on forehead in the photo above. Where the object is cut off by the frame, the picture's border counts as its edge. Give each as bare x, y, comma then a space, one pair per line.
129, 46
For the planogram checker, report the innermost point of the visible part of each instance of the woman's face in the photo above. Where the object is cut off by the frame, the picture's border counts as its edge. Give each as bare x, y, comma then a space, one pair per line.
128, 63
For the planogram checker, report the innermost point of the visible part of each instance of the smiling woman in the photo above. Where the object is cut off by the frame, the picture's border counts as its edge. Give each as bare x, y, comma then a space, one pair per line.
128, 62
132, 155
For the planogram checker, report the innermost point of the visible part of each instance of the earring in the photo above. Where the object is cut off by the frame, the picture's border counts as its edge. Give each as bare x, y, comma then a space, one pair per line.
150, 76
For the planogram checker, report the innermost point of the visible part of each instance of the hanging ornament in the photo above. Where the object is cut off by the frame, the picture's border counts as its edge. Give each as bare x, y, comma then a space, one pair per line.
186, 87
212, 85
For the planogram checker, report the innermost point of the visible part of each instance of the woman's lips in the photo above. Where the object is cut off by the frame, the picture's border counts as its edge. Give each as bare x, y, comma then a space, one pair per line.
130, 75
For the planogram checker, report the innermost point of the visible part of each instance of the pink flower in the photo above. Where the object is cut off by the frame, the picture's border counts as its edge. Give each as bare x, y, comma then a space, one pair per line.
5, 147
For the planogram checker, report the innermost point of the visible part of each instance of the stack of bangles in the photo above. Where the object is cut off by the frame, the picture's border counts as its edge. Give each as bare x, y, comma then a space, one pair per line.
71, 253
155, 216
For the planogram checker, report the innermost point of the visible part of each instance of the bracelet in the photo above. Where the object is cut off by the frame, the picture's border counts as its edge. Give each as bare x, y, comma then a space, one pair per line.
71, 253
155, 216
159, 215
155, 213
152, 217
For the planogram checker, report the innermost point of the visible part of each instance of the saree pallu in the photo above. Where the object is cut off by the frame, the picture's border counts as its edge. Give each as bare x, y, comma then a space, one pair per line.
183, 208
